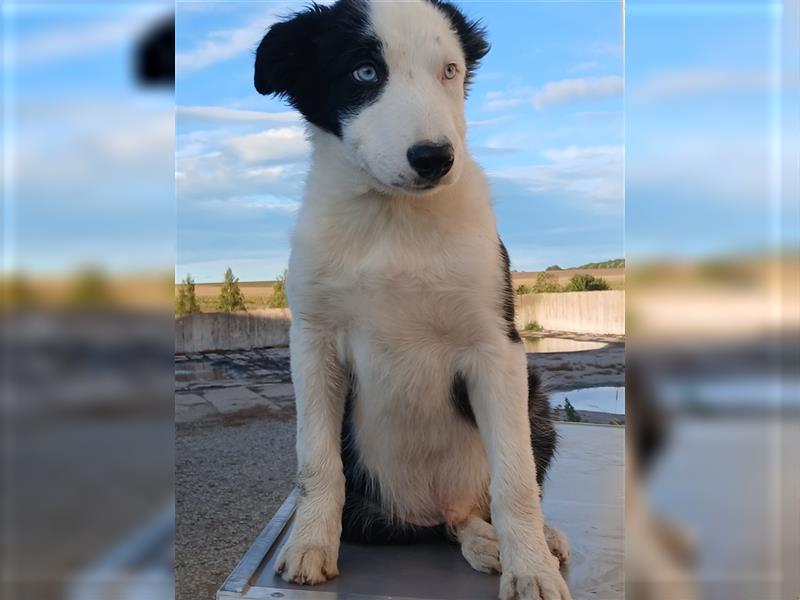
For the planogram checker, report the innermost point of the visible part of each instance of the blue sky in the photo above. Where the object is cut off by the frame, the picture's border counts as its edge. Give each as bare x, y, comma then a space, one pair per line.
88, 154
89, 157
545, 114
709, 171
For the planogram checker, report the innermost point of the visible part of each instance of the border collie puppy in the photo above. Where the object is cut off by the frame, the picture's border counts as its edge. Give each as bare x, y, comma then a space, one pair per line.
416, 414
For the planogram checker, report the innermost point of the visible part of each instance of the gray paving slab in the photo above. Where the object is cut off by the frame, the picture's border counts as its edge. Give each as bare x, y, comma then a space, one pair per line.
236, 399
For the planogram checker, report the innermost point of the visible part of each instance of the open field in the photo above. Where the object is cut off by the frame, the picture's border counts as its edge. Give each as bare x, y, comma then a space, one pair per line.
614, 277
258, 293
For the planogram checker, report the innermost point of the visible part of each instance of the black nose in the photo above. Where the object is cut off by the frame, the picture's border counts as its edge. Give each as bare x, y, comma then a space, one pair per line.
431, 161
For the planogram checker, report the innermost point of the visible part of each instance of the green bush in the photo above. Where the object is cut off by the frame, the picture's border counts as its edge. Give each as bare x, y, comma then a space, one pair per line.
583, 282
186, 302
570, 413
278, 299
546, 283
90, 288
533, 326
524, 289
231, 297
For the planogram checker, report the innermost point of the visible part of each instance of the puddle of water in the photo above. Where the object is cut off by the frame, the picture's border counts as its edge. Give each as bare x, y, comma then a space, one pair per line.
551, 344
201, 371
733, 391
600, 399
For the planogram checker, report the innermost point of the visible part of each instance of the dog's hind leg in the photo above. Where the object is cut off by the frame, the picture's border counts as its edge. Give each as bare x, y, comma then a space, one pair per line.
479, 544
557, 542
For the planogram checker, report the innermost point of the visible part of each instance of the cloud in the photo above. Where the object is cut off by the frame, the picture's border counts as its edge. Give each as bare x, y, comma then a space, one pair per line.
58, 44
220, 46
260, 204
282, 144
589, 65
732, 166
570, 90
220, 113
227, 162
511, 98
605, 49
685, 83
589, 173
490, 122
600, 114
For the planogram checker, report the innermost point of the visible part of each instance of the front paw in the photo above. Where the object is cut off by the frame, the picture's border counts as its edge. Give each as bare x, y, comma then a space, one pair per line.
306, 563
537, 579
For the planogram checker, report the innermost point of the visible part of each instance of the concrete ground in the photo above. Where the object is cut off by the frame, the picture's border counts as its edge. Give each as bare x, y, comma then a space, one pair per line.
235, 386
235, 461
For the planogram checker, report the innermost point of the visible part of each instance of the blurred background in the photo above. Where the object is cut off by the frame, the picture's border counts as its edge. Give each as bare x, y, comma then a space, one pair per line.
713, 302
712, 117
88, 251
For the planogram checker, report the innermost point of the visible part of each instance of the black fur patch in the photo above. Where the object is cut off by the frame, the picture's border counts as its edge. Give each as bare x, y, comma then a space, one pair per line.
471, 34
508, 296
155, 55
309, 59
460, 398
543, 433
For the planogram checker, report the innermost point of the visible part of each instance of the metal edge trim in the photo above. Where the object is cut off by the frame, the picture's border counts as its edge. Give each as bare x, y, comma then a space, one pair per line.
264, 593
239, 579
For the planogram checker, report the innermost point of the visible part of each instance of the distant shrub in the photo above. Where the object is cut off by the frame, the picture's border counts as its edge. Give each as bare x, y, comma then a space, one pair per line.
546, 283
278, 299
17, 292
231, 297
90, 288
554, 268
583, 282
533, 326
570, 413
186, 302
524, 289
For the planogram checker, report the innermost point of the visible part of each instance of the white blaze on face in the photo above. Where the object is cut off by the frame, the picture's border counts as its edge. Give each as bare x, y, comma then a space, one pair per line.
418, 103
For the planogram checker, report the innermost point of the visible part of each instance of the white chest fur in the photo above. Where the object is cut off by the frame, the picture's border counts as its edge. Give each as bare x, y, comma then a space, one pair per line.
406, 286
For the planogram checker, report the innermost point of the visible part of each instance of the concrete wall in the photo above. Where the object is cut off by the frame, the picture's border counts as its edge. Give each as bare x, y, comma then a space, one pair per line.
201, 332
580, 312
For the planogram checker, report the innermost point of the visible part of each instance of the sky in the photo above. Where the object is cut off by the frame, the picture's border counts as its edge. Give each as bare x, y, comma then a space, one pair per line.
709, 171
87, 152
708, 121
545, 122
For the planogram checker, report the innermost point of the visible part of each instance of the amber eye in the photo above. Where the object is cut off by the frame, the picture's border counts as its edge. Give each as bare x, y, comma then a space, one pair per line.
366, 73
450, 71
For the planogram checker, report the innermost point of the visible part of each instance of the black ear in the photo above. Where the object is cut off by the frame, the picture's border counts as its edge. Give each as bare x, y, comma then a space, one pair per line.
287, 53
471, 34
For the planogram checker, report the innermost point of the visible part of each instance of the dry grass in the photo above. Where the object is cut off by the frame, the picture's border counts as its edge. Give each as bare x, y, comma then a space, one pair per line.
256, 294
614, 277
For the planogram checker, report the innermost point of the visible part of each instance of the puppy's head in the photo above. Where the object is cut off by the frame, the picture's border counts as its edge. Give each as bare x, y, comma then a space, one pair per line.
388, 79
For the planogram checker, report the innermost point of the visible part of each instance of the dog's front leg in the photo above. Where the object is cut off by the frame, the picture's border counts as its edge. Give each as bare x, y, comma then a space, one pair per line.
311, 553
499, 397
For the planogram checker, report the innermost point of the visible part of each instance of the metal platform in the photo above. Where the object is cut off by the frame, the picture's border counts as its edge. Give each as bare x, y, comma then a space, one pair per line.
583, 497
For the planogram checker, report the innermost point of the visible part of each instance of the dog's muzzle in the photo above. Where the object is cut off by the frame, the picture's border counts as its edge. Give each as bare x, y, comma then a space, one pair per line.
431, 161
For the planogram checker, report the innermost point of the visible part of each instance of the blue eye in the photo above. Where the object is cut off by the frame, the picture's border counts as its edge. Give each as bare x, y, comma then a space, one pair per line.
450, 71
366, 73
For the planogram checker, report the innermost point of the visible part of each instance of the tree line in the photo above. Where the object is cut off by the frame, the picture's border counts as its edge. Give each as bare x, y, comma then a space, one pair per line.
230, 298
546, 283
